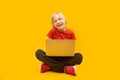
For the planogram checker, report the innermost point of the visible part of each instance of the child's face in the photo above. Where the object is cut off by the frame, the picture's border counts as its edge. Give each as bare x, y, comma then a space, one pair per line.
58, 21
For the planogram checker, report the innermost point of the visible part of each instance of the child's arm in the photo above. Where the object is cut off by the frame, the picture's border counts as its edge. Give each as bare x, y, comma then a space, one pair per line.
51, 33
49, 38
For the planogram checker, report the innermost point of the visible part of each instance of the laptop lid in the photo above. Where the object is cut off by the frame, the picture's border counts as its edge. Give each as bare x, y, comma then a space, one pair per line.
60, 47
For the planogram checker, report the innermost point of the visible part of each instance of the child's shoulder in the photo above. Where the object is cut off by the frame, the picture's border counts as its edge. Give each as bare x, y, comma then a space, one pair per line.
70, 30
53, 30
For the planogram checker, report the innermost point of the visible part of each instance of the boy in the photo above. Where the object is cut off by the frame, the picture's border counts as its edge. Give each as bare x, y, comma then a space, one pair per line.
59, 64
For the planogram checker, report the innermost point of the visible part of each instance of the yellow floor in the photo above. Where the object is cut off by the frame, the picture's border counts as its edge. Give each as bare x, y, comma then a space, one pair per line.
24, 25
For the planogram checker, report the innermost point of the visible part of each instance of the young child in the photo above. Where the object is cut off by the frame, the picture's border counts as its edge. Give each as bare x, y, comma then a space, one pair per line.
59, 64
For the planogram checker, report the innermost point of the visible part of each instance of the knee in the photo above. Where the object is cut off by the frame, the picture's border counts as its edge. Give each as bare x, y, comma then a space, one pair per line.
79, 57
39, 52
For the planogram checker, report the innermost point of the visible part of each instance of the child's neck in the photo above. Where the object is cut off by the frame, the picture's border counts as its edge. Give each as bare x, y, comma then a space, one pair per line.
63, 30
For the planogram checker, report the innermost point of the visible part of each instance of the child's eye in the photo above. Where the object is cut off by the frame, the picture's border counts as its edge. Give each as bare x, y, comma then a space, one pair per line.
55, 20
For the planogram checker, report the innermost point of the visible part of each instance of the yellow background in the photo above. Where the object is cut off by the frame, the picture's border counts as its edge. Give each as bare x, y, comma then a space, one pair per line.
25, 23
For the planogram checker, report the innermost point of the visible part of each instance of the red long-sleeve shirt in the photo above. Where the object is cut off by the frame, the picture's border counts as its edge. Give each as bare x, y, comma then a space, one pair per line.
55, 34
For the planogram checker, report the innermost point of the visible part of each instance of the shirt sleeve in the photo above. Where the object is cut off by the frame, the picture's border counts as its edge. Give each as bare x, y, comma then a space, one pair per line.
51, 33
73, 36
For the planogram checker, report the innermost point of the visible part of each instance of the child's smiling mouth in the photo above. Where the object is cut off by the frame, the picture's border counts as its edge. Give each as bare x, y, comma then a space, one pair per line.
59, 25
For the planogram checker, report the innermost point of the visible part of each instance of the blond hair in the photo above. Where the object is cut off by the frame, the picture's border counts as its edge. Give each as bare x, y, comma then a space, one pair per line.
58, 13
